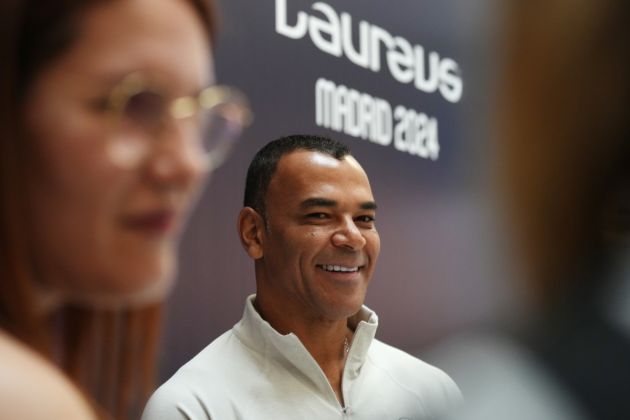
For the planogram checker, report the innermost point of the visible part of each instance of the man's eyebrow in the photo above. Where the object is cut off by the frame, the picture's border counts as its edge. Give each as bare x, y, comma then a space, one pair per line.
326, 202
368, 205
317, 202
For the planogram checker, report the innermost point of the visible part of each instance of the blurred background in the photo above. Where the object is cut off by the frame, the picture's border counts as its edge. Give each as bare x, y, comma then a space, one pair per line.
442, 258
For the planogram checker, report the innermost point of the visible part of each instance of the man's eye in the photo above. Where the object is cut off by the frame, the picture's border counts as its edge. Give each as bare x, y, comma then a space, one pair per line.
317, 216
365, 219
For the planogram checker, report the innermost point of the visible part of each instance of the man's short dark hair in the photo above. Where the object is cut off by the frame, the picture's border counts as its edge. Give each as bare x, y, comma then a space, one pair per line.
265, 162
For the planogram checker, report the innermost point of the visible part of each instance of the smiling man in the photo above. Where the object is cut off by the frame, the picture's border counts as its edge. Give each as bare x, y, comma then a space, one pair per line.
305, 347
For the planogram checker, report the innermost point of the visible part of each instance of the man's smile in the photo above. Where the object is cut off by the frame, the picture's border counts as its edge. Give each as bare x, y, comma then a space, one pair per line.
333, 268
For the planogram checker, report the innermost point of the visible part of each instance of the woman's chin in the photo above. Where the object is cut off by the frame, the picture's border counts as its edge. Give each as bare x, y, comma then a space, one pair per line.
144, 282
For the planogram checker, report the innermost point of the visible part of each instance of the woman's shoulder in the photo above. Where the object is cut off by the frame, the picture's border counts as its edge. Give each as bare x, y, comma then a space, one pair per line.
33, 388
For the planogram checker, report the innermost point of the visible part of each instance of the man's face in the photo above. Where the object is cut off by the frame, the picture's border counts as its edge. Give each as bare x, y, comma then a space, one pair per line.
321, 244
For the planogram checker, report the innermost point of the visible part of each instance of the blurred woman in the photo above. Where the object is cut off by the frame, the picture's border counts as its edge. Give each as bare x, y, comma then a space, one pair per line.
564, 165
109, 125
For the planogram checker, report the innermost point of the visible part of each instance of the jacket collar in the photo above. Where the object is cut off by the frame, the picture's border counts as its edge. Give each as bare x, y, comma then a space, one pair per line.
288, 350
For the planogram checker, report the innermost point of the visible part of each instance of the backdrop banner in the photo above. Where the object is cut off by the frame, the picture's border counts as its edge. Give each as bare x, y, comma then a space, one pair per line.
404, 84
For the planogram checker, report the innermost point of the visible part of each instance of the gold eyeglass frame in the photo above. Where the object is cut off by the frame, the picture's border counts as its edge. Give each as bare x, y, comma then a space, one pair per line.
235, 107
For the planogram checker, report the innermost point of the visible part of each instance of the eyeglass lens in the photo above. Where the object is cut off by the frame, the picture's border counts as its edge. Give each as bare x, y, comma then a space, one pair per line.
214, 127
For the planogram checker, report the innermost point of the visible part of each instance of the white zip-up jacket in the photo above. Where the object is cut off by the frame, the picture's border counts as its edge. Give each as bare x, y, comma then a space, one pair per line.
252, 372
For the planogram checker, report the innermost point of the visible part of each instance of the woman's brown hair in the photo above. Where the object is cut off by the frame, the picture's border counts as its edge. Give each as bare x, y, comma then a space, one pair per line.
110, 355
564, 146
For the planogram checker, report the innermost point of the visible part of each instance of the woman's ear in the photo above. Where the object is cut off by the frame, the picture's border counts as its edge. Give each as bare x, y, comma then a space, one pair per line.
251, 227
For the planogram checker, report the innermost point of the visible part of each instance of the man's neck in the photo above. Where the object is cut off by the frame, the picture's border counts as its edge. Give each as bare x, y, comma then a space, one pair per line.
326, 340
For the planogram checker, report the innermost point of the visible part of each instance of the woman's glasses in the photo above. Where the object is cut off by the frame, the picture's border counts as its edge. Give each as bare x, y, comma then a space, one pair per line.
214, 120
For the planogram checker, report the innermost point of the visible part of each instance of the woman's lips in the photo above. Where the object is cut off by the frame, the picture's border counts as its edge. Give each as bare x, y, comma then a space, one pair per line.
159, 222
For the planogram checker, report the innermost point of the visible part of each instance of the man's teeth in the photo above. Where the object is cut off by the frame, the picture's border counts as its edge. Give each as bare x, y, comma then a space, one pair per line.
338, 268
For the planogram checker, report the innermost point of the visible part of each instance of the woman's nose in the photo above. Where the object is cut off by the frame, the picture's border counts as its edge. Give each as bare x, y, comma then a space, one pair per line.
178, 158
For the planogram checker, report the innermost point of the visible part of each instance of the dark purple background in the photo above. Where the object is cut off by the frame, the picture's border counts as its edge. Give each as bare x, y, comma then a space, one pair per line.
437, 271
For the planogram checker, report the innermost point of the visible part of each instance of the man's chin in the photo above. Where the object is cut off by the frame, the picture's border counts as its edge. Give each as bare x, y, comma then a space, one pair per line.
343, 310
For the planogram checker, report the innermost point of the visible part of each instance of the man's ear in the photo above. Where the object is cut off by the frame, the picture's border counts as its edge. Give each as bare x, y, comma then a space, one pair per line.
251, 227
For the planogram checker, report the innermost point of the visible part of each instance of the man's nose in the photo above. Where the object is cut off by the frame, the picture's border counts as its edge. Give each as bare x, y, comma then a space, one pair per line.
349, 236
